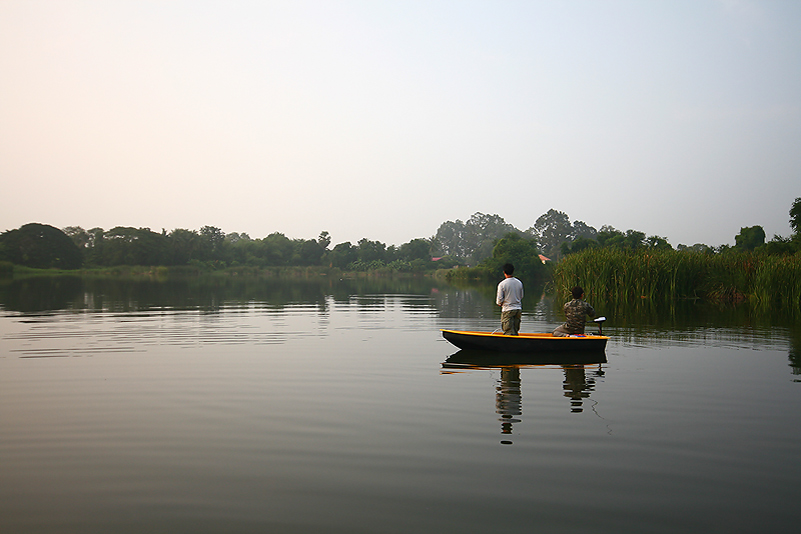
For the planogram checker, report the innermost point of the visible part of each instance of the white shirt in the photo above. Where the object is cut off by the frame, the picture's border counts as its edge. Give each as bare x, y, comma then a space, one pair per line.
510, 294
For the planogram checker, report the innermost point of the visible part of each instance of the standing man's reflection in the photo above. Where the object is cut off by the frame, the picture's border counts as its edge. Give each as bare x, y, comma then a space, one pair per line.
508, 399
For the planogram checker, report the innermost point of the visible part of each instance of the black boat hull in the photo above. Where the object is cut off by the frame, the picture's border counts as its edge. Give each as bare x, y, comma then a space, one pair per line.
524, 342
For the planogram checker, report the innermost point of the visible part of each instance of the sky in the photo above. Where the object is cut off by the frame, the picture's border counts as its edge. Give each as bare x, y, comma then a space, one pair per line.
383, 119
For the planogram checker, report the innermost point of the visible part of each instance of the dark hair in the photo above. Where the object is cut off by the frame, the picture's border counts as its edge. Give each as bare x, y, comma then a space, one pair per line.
509, 269
577, 292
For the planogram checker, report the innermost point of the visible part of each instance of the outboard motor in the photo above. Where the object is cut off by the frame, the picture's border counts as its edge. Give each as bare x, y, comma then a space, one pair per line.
600, 321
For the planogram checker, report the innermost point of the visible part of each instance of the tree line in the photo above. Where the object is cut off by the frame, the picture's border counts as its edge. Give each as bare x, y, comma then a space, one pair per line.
483, 241
555, 236
43, 246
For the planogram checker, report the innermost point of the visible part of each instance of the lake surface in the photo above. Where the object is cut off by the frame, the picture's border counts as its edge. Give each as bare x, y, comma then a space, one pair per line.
334, 406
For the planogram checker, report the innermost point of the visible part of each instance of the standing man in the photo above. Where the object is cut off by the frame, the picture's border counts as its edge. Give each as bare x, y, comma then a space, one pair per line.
509, 298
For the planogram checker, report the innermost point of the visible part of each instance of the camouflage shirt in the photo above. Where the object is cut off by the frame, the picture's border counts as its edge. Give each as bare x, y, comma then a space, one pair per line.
575, 312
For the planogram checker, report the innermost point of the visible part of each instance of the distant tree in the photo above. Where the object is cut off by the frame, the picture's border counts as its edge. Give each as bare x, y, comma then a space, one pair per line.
610, 237
308, 252
795, 216
553, 229
371, 251
634, 239
779, 246
392, 253
490, 227
78, 235
416, 249
450, 239
125, 245
234, 237
343, 254
211, 243
183, 245
578, 244
471, 241
520, 252
583, 230
550, 230
94, 246
324, 240
698, 247
41, 246
657, 242
750, 237
276, 250
631, 239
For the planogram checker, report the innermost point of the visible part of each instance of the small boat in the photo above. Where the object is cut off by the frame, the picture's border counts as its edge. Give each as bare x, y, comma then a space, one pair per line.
525, 342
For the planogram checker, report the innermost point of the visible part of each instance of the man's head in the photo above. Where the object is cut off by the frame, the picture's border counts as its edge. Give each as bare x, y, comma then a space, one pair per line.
508, 269
577, 292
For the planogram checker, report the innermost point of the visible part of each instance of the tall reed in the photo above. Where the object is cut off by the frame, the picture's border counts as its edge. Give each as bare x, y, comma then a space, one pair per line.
612, 274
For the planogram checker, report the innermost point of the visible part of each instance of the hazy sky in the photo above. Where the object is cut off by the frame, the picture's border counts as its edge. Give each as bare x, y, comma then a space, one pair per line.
383, 119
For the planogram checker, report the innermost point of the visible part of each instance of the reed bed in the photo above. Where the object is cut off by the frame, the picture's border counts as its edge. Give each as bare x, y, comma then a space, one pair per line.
665, 275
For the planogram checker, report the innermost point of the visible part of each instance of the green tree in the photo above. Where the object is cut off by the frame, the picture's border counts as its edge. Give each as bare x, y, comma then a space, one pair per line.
450, 239
550, 230
41, 246
520, 252
553, 229
78, 235
610, 237
779, 246
634, 239
125, 245
631, 239
795, 216
416, 249
795, 223
371, 251
211, 243
324, 240
94, 247
343, 254
471, 241
750, 237
276, 250
234, 237
578, 244
657, 242
698, 247
583, 230
309, 252
183, 245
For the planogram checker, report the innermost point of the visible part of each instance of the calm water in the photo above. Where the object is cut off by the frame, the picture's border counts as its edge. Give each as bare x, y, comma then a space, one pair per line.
327, 406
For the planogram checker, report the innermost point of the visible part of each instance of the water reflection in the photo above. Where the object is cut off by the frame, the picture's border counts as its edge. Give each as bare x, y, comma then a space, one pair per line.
40, 294
577, 384
508, 399
639, 323
795, 353
206, 292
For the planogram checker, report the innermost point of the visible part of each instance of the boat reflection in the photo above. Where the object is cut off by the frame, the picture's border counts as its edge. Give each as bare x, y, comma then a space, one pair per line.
579, 369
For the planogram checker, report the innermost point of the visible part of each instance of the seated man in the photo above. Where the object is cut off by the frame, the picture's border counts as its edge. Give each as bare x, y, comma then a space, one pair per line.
576, 312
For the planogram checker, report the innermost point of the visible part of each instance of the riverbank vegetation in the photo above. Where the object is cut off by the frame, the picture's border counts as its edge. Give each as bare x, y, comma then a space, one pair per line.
609, 263
663, 275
